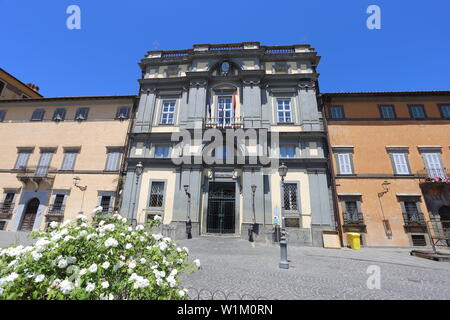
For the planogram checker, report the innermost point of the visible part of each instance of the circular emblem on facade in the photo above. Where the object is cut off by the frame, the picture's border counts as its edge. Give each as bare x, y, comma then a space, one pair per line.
225, 67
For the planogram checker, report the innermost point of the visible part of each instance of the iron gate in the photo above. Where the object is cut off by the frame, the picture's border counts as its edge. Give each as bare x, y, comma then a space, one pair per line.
221, 209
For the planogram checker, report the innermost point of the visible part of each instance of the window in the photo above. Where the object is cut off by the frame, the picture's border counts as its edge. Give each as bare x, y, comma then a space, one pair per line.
445, 110
2, 115
337, 112
168, 112
38, 115
58, 205
8, 204
44, 163
387, 112
105, 203
284, 110
69, 160
433, 165
156, 195
113, 160
400, 162
417, 112
82, 114
345, 163
162, 152
22, 160
123, 113
351, 215
2, 85
2, 225
225, 111
59, 114
290, 197
287, 151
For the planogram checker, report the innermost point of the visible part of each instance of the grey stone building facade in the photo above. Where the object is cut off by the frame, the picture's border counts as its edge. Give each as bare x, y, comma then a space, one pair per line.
188, 96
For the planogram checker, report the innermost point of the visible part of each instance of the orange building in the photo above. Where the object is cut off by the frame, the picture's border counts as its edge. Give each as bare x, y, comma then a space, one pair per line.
388, 156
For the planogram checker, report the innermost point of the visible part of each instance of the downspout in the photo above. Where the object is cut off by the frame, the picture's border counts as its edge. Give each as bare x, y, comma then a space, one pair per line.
126, 148
332, 173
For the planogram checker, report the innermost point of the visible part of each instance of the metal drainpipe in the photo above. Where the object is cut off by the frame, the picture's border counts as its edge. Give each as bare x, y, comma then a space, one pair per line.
332, 175
118, 200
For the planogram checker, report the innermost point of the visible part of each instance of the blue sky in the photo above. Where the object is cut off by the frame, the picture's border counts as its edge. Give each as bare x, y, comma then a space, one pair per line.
410, 52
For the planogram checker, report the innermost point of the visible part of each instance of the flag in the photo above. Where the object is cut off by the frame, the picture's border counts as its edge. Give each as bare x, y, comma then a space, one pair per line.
234, 103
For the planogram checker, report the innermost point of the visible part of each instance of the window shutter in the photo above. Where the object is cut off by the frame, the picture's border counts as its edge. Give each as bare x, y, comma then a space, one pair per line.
69, 161
44, 163
433, 164
345, 166
22, 160
113, 161
401, 166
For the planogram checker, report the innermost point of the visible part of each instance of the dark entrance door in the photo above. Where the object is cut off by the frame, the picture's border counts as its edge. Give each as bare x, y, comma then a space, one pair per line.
221, 208
444, 212
30, 215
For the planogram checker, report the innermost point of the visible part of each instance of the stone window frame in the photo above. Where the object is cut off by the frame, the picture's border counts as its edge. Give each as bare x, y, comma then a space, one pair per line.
291, 102
398, 149
38, 115
82, 114
160, 210
66, 150
29, 150
105, 193
410, 198
344, 198
347, 150
56, 192
440, 106
111, 149
410, 108
380, 108
160, 113
431, 149
341, 107
292, 213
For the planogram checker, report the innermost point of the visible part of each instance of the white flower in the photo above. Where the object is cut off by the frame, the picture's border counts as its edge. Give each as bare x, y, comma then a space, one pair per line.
91, 236
162, 246
93, 268
12, 263
13, 276
82, 218
197, 263
128, 246
111, 242
56, 282
181, 293
186, 249
101, 223
174, 272
83, 233
98, 209
139, 282
143, 260
122, 257
157, 218
129, 229
132, 264
171, 281
90, 287
41, 244
124, 220
118, 265
64, 232
39, 278
36, 256
68, 238
66, 223
53, 224
66, 286
71, 260
62, 263
1, 291
140, 227
106, 265
109, 227
105, 285
83, 272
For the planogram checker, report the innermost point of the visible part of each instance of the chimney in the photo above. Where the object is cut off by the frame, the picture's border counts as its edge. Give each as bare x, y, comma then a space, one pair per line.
33, 87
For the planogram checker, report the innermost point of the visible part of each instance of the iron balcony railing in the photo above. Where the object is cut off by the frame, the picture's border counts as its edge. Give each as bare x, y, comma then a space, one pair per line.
414, 219
56, 210
107, 210
35, 171
223, 123
353, 218
434, 175
6, 209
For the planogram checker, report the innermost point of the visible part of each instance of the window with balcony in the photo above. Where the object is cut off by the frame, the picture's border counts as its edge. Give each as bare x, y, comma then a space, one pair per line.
412, 214
38, 115
57, 208
82, 114
168, 112
59, 114
287, 151
7, 207
123, 113
284, 111
352, 212
433, 165
225, 111
44, 163
417, 112
162, 151
156, 195
22, 159
387, 112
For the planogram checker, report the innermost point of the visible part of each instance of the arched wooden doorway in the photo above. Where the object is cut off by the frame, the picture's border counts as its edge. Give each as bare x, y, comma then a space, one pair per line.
29, 215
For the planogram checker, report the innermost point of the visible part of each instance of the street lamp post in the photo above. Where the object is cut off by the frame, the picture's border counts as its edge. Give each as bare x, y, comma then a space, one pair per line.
76, 182
252, 229
139, 171
188, 221
284, 263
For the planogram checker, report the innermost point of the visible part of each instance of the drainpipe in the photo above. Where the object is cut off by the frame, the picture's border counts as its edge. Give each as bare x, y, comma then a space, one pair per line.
332, 174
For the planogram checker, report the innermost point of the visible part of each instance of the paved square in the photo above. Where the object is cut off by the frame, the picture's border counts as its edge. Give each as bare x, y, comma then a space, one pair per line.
236, 266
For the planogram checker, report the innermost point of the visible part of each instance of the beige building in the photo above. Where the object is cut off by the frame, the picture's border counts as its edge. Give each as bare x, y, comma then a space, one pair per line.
60, 157
13, 88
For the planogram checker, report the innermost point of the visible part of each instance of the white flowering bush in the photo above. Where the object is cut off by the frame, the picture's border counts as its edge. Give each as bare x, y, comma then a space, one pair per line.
105, 259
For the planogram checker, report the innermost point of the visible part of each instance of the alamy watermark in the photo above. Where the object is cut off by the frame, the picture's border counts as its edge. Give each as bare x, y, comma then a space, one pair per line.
374, 279
374, 20
73, 22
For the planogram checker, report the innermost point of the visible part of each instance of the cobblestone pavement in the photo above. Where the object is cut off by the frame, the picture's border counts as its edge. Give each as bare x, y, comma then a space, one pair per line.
235, 265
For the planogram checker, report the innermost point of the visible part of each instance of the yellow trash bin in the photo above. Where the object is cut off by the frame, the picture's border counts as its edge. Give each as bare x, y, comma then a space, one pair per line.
355, 240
